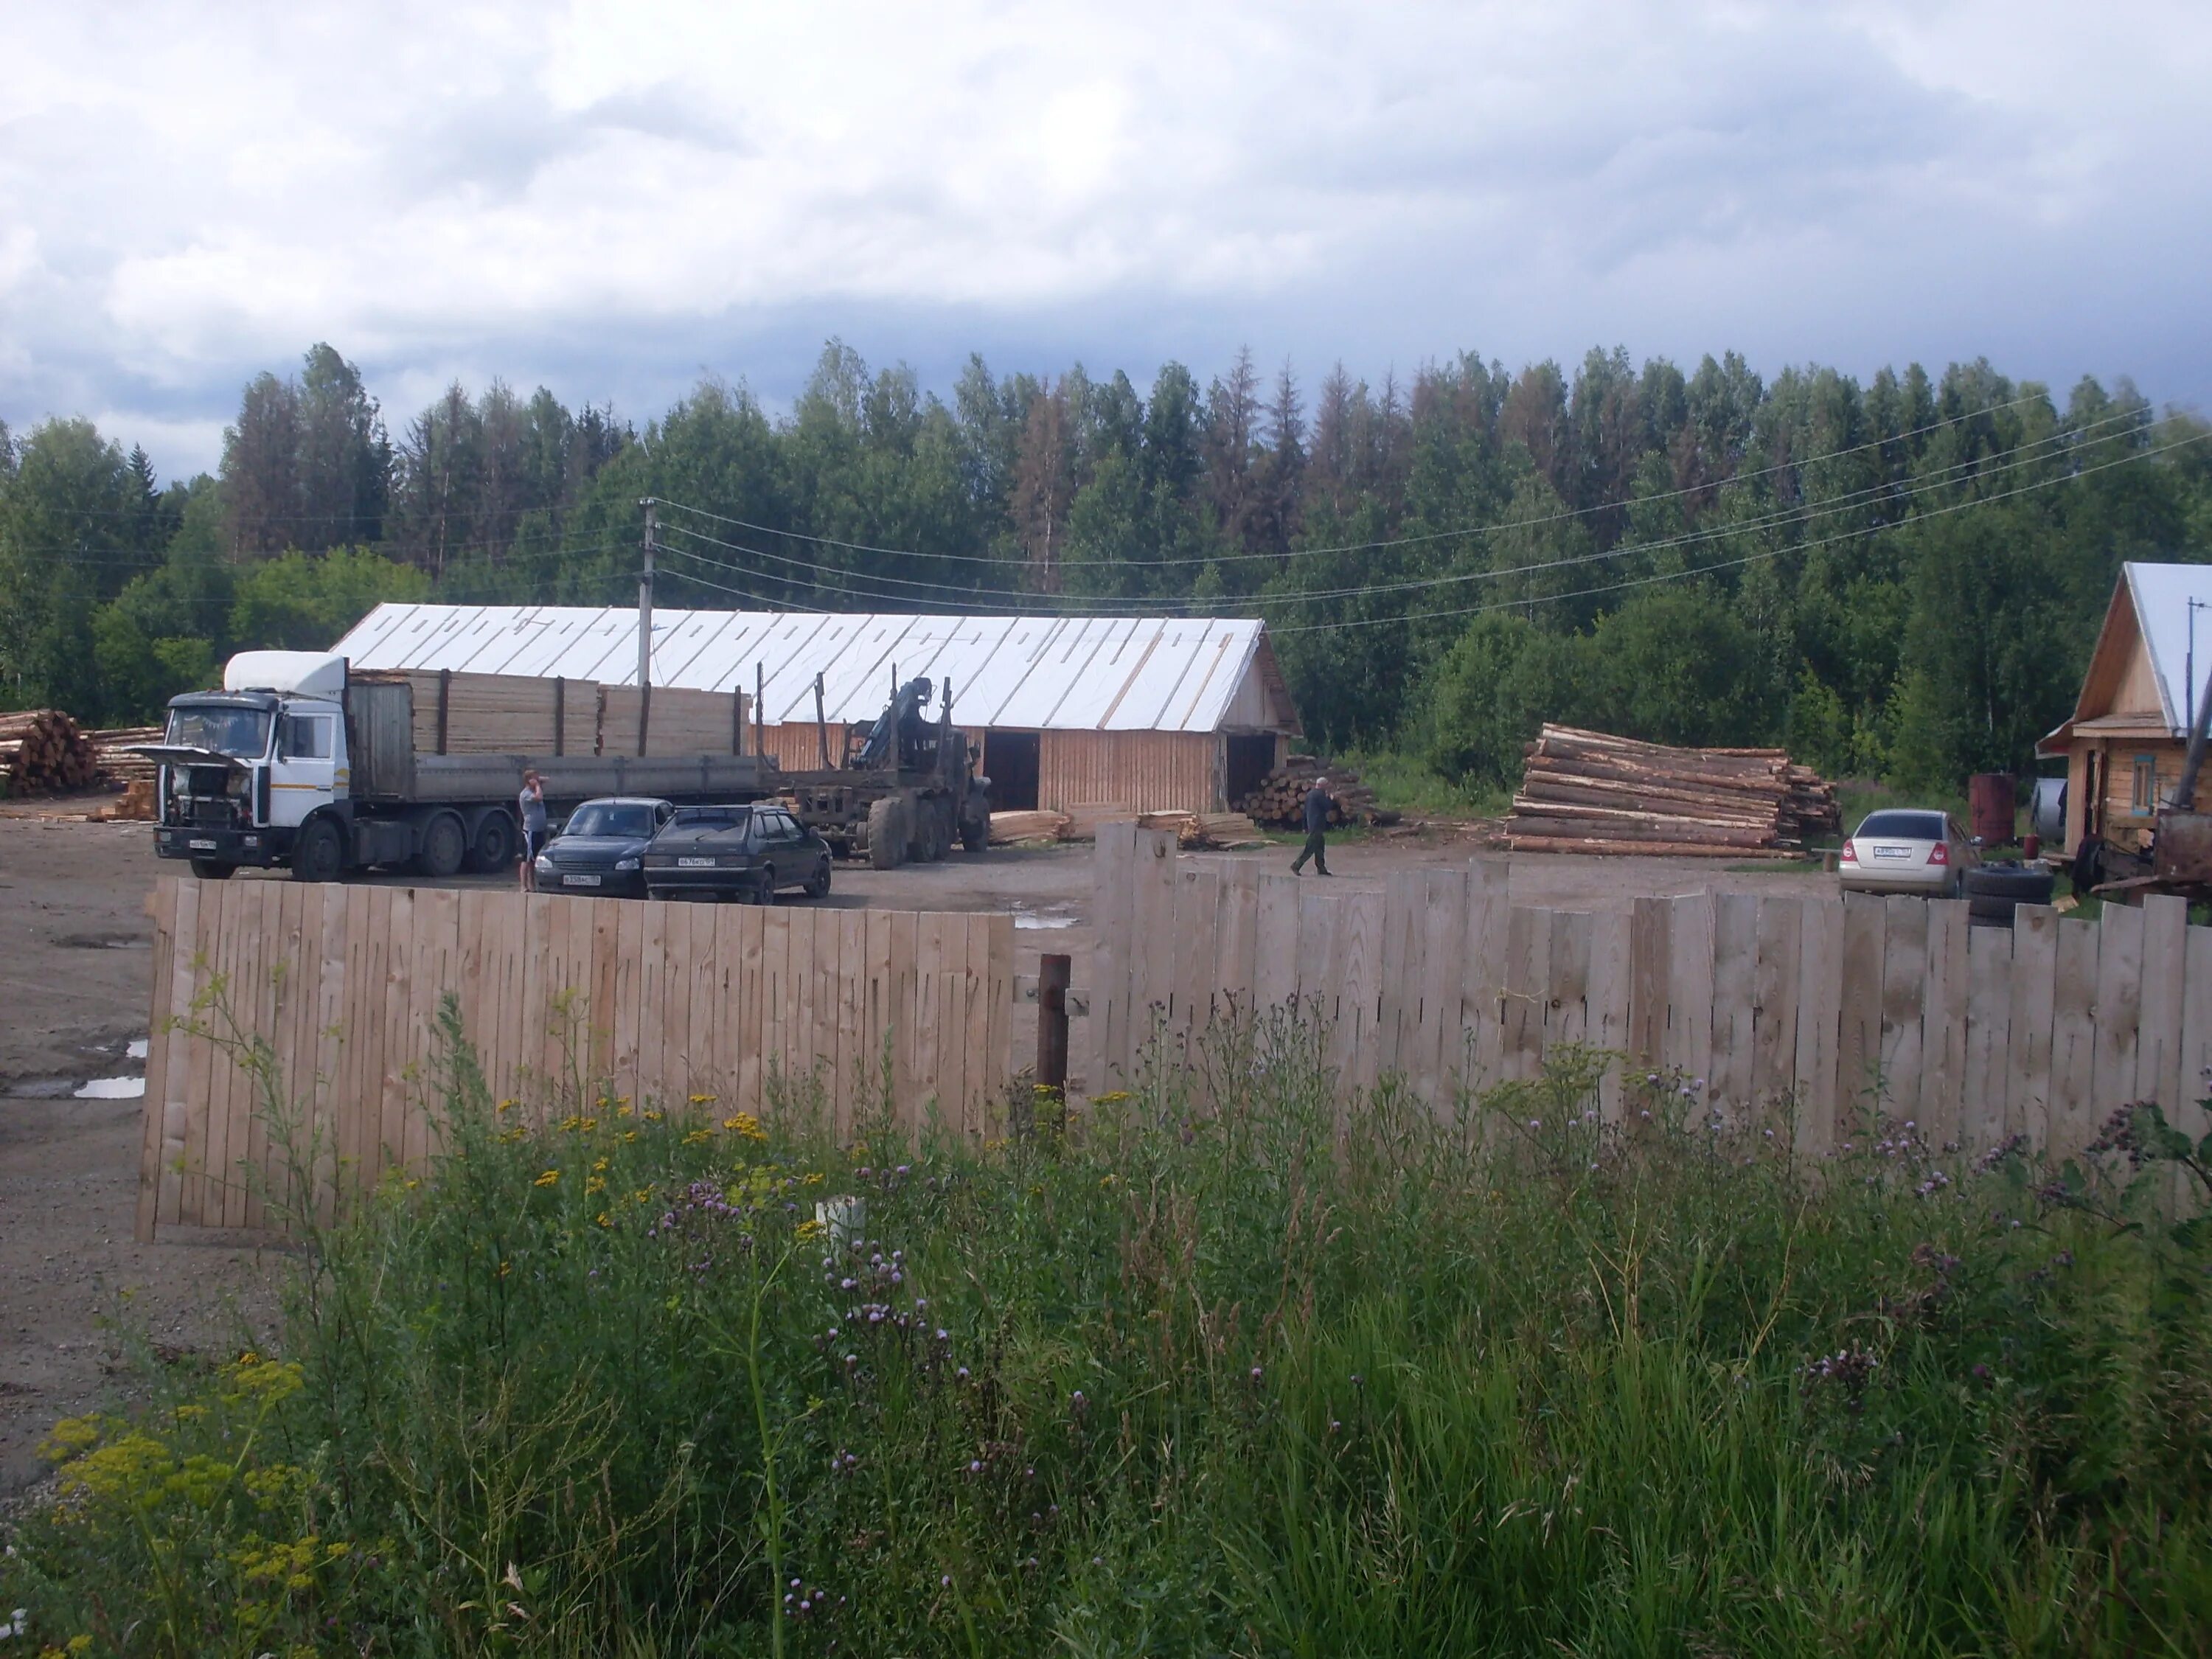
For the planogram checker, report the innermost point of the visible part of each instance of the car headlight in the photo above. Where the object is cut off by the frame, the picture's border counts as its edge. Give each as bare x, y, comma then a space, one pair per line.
545, 865
625, 864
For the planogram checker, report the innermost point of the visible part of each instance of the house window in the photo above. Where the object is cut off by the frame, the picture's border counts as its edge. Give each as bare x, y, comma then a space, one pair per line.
2144, 797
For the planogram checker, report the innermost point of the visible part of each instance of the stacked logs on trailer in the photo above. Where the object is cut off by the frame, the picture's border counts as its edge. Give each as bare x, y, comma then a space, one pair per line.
1588, 792
43, 753
1279, 800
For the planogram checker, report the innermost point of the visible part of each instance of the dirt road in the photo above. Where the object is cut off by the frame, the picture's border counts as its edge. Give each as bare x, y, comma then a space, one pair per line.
75, 960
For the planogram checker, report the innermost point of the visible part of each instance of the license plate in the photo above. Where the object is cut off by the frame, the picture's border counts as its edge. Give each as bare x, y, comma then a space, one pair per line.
1892, 852
580, 881
695, 864
203, 846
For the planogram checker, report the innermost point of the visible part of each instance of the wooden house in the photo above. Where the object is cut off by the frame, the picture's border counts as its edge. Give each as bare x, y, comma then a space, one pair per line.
2125, 743
1146, 712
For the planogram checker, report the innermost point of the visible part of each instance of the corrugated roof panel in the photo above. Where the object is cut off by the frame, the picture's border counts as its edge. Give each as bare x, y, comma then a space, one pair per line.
2164, 595
1061, 674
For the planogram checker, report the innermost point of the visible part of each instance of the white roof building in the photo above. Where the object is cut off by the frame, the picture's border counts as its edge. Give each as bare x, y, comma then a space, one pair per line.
1204, 680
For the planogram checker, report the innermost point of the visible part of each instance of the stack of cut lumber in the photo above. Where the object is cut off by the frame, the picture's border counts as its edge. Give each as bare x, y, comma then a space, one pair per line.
109, 751
1027, 826
498, 714
137, 803
680, 721
1083, 817
42, 752
1589, 792
1279, 798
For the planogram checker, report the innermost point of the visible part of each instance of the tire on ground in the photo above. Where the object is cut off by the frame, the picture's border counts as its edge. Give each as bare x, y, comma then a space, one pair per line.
887, 832
213, 870
494, 845
2015, 884
1991, 909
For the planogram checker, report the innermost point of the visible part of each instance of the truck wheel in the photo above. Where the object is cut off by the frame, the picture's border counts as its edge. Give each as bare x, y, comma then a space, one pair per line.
818, 887
209, 869
319, 854
887, 833
495, 843
444, 845
975, 823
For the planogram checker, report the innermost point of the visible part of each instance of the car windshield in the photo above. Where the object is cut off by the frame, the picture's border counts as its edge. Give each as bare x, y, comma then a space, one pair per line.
1904, 826
710, 817
611, 817
243, 732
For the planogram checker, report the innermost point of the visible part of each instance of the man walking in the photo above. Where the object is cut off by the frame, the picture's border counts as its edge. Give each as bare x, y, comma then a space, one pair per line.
1316, 847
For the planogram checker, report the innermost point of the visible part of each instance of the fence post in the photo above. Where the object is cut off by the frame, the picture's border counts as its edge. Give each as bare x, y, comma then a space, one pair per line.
1053, 973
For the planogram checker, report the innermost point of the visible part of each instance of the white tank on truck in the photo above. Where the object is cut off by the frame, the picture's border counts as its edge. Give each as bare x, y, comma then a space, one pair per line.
298, 763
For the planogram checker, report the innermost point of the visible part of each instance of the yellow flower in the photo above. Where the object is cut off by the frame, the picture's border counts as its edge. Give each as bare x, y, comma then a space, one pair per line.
813, 1178
652, 1116
811, 1229
588, 1124
628, 1135
596, 1184
1108, 1181
698, 1137
506, 1106
511, 1136
702, 1100
600, 1167
642, 1195
551, 1178
747, 1125
505, 1268
604, 1220
1112, 1097
624, 1111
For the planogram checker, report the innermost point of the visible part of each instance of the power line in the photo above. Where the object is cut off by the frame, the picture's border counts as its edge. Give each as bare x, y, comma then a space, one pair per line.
2133, 415
867, 584
1730, 564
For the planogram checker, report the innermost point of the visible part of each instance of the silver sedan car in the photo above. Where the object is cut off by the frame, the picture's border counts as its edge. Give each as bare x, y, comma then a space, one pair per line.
1907, 850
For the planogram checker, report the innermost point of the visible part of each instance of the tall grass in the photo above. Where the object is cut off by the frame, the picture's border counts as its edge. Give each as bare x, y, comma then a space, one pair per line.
1236, 1363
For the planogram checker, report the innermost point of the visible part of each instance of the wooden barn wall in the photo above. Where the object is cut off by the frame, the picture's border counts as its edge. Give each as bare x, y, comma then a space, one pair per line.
1148, 771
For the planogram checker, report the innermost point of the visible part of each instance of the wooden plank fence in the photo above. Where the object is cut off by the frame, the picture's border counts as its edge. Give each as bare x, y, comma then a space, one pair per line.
1974, 1033
560, 997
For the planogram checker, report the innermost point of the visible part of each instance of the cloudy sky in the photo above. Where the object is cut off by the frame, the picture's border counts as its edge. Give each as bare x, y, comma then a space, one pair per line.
610, 199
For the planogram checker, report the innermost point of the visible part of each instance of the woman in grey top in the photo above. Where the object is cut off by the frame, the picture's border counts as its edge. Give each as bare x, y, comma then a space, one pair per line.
531, 800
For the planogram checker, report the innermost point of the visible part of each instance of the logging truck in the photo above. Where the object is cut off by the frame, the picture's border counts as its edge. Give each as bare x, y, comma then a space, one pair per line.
903, 788
298, 765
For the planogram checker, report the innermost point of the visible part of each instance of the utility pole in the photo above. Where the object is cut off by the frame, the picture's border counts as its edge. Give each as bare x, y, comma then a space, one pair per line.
645, 628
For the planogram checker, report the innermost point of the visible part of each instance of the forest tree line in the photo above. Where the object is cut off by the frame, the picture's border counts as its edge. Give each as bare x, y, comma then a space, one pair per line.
1899, 579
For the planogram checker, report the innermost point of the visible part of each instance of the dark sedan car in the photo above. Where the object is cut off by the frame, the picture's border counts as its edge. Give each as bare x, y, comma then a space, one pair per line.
600, 851
749, 854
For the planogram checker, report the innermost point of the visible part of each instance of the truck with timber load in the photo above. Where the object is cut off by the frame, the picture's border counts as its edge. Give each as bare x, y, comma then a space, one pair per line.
904, 787
299, 763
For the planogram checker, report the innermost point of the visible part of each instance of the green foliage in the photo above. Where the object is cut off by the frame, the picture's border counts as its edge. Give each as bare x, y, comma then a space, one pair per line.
1228, 1364
303, 601
1903, 577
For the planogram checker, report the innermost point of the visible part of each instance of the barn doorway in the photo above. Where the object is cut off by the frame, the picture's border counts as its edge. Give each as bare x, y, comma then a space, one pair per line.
1250, 759
1009, 761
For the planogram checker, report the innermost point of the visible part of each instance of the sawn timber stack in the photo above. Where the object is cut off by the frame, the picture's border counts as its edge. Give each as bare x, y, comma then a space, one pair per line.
1589, 792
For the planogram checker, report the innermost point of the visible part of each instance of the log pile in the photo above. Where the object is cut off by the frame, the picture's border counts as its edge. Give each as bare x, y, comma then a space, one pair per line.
1009, 827
1588, 792
1279, 798
109, 750
43, 753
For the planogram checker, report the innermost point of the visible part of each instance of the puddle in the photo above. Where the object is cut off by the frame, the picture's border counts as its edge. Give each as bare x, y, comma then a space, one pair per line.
1027, 918
112, 1088
138, 1048
104, 942
43, 1088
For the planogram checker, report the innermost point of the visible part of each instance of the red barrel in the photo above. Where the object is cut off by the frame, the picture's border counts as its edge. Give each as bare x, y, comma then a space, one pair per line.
1989, 804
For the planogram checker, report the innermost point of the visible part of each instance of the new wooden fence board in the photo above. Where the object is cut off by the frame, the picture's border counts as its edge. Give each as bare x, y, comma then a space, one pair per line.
1360, 969
1527, 990
1275, 973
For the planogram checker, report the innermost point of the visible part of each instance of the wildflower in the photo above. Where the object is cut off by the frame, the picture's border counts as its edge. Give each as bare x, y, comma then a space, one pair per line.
604, 1220
551, 1178
505, 1106
708, 1100
698, 1137
509, 1136
746, 1124
653, 1117
506, 1267
1107, 1181
1535, 1122
624, 1111
599, 1168
809, 1229
596, 1184
628, 1135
